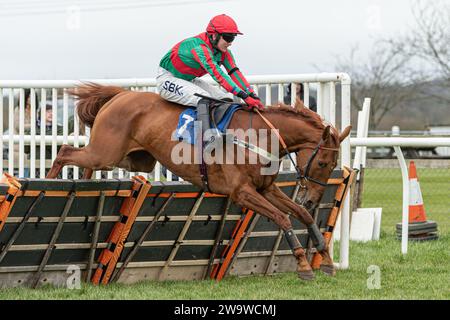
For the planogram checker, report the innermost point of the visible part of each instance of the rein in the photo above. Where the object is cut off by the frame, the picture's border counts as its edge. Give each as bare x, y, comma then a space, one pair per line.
316, 149
300, 176
283, 144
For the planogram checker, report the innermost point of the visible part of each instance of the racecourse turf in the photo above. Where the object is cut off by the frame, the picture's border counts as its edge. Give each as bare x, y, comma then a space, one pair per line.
424, 273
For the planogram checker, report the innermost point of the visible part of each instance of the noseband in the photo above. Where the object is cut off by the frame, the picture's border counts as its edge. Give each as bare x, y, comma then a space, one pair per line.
307, 167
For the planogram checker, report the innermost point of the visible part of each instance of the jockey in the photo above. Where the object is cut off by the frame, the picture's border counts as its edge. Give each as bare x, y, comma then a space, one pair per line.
180, 69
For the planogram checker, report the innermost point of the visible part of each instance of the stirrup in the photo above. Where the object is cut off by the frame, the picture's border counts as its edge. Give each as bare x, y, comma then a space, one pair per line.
213, 142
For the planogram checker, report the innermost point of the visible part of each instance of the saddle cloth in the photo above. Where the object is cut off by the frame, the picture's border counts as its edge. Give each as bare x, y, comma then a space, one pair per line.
185, 128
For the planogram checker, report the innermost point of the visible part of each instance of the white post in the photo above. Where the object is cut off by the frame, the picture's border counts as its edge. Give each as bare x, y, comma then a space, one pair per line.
268, 94
359, 134
320, 99
157, 171
42, 140
65, 125
21, 132
362, 132
395, 131
1, 131
293, 100
405, 206
54, 122
332, 96
306, 94
33, 133
293, 93
345, 161
256, 89
366, 114
280, 92
11, 133
326, 112
76, 133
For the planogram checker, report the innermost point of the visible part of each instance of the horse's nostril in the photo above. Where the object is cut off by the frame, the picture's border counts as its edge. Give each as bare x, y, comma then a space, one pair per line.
308, 204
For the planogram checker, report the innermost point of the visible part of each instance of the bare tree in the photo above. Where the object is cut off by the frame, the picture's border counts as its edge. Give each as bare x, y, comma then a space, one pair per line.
397, 69
428, 43
384, 77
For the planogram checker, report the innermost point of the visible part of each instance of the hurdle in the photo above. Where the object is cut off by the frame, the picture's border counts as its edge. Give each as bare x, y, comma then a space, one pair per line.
129, 230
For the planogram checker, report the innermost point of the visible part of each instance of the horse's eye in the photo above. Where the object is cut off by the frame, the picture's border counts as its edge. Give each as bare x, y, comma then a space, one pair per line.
322, 164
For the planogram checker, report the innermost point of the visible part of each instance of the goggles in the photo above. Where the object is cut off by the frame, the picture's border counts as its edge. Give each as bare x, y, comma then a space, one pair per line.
228, 37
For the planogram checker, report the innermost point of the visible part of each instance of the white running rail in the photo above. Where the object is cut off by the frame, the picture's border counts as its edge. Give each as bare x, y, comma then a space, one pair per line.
15, 137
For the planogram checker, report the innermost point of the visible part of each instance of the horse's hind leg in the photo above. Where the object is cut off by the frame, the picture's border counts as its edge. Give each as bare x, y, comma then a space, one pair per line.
280, 200
58, 164
80, 157
249, 198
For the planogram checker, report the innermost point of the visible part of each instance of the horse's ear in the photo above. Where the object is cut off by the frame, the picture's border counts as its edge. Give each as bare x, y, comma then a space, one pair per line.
326, 133
299, 104
345, 133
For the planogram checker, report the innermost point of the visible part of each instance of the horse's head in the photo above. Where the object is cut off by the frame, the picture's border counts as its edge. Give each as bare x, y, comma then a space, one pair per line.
316, 163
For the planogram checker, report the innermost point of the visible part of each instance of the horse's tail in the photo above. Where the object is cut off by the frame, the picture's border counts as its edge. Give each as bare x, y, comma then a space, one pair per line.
91, 98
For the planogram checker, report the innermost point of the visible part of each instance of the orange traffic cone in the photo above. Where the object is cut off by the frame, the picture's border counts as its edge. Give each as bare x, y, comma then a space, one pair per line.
416, 207
419, 228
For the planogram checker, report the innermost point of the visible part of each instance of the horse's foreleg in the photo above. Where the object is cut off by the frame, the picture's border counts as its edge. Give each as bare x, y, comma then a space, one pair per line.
87, 173
280, 200
248, 197
80, 157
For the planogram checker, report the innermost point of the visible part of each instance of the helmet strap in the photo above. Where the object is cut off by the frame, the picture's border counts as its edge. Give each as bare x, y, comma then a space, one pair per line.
214, 42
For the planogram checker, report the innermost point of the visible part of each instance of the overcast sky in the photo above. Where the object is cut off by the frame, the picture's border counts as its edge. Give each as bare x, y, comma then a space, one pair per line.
60, 39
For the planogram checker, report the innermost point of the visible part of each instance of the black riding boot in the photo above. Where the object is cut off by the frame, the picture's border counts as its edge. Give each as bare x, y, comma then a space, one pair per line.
210, 139
203, 116
214, 138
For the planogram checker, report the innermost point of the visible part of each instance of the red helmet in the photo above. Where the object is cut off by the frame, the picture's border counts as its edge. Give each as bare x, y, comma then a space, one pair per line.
222, 24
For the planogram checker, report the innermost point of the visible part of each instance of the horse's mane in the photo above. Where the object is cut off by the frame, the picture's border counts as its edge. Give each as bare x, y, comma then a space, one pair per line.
298, 110
301, 110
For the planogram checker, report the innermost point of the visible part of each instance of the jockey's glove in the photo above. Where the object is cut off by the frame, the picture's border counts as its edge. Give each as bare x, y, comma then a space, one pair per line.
253, 103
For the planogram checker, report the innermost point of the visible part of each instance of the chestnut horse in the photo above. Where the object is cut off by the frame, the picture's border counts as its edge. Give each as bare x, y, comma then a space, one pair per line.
133, 130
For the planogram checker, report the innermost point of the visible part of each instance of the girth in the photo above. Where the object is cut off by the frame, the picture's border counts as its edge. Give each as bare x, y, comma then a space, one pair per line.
217, 111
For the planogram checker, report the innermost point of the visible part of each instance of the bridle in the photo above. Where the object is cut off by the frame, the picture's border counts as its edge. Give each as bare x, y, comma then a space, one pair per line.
307, 167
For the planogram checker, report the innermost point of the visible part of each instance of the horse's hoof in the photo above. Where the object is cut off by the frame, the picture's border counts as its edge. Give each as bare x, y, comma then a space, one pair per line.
328, 270
306, 275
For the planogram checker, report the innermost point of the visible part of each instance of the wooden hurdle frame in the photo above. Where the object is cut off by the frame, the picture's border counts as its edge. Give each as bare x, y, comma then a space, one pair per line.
158, 231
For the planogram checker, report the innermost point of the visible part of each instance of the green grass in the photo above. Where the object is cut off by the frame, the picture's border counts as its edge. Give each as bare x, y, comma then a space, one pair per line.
424, 273
383, 188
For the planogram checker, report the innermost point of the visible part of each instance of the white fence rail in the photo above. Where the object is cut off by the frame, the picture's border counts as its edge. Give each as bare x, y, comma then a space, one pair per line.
29, 148
362, 141
397, 143
23, 128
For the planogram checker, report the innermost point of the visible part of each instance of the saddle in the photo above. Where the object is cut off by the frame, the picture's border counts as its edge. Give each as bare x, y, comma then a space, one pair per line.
219, 117
217, 111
